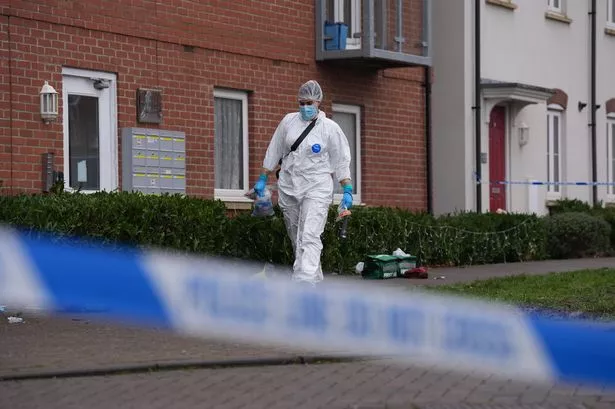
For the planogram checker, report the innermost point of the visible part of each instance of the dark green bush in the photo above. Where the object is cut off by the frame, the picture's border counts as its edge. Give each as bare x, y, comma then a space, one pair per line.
491, 238
608, 214
597, 210
569, 205
201, 226
257, 238
453, 240
576, 234
170, 221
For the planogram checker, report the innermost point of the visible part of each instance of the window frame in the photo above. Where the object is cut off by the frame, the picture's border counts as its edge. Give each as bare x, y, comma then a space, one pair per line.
554, 110
356, 155
552, 8
610, 14
355, 20
610, 155
235, 195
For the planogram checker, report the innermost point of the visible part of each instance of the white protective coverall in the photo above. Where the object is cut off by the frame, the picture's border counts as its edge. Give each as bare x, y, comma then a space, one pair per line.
305, 186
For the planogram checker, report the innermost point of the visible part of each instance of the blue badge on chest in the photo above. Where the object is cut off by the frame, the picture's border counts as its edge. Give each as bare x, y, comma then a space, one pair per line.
316, 148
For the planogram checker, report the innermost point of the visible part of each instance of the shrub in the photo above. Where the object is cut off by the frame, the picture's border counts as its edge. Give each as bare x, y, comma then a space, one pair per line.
569, 205
170, 221
201, 226
576, 234
576, 205
263, 239
461, 239
608, 215
493, 238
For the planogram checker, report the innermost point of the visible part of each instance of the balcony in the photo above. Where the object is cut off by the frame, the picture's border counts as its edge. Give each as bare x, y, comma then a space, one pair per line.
374, 33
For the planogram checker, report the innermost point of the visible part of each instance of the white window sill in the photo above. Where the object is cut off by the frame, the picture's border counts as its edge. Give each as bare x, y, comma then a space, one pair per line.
507, 4
557, 16
231, 194
234, 199
69, 189
237, 205
610, 29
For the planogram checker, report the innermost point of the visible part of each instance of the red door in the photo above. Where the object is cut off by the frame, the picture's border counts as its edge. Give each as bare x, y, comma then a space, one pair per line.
497, 158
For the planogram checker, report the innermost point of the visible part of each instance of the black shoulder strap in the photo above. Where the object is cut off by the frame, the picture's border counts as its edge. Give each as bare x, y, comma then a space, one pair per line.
300, 139
303, 135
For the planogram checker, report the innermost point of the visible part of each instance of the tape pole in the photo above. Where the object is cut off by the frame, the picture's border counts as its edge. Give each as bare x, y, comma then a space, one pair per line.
215, 297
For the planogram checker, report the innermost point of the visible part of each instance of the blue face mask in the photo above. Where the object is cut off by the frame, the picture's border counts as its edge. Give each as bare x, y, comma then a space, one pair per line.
308, 111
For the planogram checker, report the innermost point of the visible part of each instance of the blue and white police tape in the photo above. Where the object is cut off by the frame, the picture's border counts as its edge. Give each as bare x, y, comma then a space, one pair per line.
541, 183
213, 297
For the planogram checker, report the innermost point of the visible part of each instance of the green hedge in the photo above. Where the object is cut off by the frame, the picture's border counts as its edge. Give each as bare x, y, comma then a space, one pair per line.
576, 234
608, 214
576, 205
174, 222
201, 226
571, 205
461, 239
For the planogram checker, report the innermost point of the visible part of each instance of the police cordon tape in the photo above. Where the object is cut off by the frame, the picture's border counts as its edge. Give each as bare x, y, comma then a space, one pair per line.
215, 297
539, 182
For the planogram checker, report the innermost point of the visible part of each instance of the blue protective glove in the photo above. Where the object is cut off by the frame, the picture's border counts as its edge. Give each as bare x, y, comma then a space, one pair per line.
347, 199
259, 186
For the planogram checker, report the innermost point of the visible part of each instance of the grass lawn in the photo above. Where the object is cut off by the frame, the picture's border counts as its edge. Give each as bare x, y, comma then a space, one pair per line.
588, 291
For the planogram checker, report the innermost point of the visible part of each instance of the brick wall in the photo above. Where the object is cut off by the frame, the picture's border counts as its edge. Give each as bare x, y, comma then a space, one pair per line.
267, 50
559, 97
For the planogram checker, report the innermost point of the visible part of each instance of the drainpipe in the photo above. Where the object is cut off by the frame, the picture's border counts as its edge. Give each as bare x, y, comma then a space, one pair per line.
427, 20
427, 84
592, 102
477, 103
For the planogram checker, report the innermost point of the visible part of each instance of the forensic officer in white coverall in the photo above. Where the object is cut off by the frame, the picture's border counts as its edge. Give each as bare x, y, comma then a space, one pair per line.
307, 175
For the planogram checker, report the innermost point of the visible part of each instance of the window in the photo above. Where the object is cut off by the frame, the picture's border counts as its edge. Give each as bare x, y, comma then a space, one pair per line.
554, 148
90, 134
610, 13
348, 12
348, 117
555, 6
610, 152
230, 145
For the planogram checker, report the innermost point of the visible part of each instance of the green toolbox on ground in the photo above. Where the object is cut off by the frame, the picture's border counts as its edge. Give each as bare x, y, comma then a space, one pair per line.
380, 266
405, 263
383, 266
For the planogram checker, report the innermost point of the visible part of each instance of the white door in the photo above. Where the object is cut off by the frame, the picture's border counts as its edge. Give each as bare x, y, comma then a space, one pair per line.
90, 130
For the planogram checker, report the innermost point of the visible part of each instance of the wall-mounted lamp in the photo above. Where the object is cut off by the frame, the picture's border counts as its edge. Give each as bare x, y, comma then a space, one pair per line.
582, 105
49, 103
524, 133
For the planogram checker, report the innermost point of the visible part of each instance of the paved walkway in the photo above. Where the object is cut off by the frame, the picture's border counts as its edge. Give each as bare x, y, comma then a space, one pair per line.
466, 274
78, 344
327, 386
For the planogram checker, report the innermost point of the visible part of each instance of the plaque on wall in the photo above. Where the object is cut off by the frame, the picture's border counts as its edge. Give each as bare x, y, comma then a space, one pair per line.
149, 106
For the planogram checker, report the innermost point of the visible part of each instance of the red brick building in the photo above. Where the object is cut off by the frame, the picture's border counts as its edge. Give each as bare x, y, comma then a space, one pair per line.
199, 87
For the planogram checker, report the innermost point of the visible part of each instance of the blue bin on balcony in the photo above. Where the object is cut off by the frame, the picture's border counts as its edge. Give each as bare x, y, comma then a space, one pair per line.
335, 36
